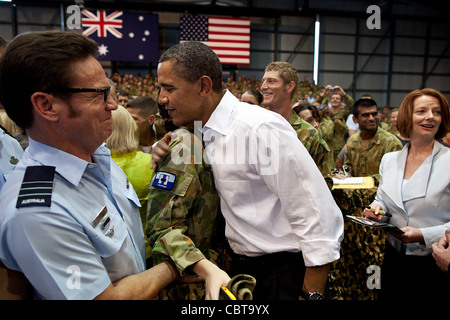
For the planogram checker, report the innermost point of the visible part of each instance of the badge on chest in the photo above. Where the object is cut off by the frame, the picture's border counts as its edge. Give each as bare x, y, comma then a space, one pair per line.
164, 180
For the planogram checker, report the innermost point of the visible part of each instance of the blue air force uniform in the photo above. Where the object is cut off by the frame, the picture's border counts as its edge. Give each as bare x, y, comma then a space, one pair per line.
10, 154
71, 226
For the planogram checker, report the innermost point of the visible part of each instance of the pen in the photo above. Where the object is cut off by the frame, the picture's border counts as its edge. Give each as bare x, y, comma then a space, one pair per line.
383, 213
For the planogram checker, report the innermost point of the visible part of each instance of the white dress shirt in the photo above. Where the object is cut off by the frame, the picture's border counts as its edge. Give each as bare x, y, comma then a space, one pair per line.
273, 196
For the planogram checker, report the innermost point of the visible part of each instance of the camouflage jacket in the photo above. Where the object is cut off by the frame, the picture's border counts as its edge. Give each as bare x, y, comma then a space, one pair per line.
348, 102
313, 142
326, 128
160, 130
182, 205
340, 129
364, 160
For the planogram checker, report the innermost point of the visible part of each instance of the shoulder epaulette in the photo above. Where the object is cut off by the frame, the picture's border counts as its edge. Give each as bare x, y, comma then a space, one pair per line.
37, 186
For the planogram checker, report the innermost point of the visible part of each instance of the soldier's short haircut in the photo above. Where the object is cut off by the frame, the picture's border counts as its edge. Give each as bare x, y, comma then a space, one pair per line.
363, 103
145, 105
192, 60
286, 70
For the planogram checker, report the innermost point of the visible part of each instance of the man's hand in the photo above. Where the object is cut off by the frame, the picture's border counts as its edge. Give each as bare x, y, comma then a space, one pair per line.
161, 149
339, 176
214, 278
338, 89
327, 90
315, 279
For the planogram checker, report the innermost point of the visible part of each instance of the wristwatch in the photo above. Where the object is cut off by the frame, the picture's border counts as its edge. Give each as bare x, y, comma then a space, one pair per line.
312, 295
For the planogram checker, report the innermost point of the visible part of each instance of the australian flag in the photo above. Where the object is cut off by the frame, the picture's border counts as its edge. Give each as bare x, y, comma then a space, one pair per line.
123, 36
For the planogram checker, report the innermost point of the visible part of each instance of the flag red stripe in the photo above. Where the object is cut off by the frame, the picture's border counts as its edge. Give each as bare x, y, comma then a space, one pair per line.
232, 56
230, 41
229, 26
225, 19
229, 48
229, 33
88, 22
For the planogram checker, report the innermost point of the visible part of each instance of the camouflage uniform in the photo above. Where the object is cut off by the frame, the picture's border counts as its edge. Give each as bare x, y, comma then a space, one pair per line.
340, 129
365, 161
337, 141
182, 210
313, 142
326, 128
385, 126
159, 127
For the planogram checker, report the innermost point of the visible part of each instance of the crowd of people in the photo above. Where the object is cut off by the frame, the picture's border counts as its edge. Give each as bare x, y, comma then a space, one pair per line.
175, 186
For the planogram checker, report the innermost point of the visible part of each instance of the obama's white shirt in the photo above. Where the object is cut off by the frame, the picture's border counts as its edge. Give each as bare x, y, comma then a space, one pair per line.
273, 196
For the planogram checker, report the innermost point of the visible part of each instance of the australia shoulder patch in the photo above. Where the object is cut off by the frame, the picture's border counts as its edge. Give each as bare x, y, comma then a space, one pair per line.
37, 186
164, 180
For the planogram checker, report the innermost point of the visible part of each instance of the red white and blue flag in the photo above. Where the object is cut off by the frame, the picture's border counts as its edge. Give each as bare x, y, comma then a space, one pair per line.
123, 36
228, 37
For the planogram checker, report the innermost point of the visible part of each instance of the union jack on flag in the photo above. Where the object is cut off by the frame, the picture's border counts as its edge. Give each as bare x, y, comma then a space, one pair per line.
123, 36
102, 23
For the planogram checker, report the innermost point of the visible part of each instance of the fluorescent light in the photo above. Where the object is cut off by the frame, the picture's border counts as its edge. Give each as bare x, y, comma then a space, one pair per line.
316, 50
5, 0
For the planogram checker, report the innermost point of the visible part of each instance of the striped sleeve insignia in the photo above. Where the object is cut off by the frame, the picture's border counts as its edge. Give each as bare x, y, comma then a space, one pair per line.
37, 186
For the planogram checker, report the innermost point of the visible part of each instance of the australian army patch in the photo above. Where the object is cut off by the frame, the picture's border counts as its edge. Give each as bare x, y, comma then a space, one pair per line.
164, 180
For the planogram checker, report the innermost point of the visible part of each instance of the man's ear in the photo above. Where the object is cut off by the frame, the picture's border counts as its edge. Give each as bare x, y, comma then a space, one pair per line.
291, 86
151, 119
205, 85
44, 106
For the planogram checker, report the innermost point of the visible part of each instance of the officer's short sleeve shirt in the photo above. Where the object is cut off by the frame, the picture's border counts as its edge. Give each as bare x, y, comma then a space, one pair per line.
63, 250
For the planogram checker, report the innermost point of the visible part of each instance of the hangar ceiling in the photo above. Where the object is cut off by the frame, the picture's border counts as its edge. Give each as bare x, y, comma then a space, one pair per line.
390, 9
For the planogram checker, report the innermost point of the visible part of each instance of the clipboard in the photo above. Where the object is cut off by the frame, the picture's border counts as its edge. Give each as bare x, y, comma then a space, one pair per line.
373, 223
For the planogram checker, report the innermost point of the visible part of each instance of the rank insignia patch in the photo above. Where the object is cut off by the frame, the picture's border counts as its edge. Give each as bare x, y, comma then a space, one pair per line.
36, 188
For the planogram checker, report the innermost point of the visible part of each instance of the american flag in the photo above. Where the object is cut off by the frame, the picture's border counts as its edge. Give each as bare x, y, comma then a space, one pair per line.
228, 37
123, 36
